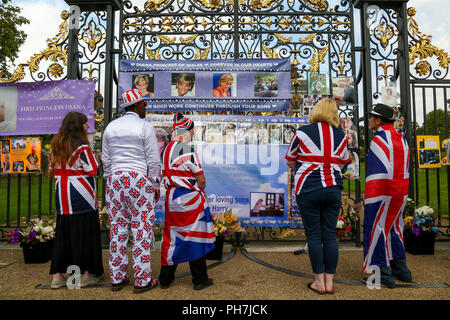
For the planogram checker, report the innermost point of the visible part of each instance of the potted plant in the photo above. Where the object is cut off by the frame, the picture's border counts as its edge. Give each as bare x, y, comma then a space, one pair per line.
419, 232
36, 240
224, 223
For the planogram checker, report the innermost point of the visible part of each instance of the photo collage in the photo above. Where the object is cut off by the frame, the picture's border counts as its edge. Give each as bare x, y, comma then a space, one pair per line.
306, 93
20, 155
230, 130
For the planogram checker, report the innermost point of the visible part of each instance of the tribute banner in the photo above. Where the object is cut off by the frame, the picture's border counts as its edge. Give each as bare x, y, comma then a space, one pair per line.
20, 155
209, 85
244, 165
429, 154
39, 107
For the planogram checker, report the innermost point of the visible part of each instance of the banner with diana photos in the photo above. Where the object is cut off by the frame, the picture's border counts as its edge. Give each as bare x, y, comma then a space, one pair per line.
241, 85
244, 165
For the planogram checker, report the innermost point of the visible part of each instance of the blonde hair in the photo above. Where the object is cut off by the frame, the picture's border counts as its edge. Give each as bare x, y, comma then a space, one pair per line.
142, 77
325, 110
226, 77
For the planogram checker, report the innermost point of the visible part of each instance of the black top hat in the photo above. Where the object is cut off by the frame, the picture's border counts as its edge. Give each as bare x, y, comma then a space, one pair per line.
383, 111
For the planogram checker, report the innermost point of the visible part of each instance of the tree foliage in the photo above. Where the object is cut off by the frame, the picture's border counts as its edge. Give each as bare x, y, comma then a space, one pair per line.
11, 38
429, 127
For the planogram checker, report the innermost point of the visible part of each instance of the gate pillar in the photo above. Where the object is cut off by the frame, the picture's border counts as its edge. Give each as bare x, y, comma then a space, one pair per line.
110, 6
385, 59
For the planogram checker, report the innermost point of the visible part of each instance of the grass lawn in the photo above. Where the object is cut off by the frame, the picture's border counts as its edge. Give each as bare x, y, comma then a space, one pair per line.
433, 189
28, 207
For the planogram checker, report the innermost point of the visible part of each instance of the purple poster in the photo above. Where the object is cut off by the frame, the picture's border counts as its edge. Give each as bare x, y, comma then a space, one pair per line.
209, 85
30, 108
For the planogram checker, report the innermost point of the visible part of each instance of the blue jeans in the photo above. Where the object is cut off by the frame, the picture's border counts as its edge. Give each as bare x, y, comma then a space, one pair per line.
320, 210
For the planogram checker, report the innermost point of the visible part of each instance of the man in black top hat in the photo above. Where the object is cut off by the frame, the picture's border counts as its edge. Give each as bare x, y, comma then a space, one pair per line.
386, 194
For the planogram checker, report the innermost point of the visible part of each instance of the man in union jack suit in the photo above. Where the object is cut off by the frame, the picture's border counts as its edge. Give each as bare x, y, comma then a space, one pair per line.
132, 168
188, 229
386, 193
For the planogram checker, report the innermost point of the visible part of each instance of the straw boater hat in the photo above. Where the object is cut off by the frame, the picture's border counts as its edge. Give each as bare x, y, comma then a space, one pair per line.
131, 97
181, 124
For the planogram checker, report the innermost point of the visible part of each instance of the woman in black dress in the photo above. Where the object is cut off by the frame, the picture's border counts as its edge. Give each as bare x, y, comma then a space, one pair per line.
74, 167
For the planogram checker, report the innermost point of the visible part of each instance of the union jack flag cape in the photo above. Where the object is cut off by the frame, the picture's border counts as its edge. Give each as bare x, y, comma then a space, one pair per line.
386, 193
76, 190
188, 230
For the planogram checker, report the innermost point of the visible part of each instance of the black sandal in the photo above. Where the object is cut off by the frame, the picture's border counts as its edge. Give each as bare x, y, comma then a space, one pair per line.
315, 290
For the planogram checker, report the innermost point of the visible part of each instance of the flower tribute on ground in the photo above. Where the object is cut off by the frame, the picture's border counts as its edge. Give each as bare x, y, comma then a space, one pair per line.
346, 221
37, 231
226, 222
420, 219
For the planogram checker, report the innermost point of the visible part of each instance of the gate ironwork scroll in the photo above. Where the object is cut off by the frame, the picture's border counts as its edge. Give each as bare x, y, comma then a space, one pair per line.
316, 35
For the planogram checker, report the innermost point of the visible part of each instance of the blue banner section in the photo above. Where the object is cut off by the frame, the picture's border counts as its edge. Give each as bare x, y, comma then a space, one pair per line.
244, 165
209, 85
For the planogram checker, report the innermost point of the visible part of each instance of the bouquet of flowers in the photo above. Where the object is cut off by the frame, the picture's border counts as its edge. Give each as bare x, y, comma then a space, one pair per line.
346, 222
422, 220
226, 222
36, 232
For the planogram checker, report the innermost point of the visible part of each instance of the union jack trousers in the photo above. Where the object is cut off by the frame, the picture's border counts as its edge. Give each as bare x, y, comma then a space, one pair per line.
387, 183
130, 204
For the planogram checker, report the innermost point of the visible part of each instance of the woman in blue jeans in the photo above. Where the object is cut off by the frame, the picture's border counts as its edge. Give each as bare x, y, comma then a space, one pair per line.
319, 151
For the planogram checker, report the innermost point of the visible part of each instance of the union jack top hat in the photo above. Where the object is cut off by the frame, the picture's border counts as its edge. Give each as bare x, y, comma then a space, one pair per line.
130, 97
181, 123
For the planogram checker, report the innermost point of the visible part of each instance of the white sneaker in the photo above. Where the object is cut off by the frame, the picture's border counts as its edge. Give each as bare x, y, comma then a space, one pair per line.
91, 280
56, 284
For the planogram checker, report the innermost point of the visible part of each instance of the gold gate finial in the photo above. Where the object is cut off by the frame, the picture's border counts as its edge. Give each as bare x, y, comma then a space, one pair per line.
54, 52
423, 49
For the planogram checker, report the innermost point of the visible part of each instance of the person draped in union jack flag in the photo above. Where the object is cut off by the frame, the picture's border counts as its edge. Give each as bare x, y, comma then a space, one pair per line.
77, 238
386, 194
317, 154
188, 231
132, 169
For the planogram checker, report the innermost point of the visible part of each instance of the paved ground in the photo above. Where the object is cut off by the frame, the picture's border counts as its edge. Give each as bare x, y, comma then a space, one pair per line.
237, 279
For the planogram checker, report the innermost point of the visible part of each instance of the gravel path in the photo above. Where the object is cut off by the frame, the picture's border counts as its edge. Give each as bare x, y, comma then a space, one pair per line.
239, 278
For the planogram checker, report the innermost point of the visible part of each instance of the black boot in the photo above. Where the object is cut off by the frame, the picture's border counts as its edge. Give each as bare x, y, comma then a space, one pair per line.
387, 279
400, 270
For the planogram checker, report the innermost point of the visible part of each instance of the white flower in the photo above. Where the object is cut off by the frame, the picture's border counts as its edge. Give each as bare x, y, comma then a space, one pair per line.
46, 230
425, 211
420, 211
340, 224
